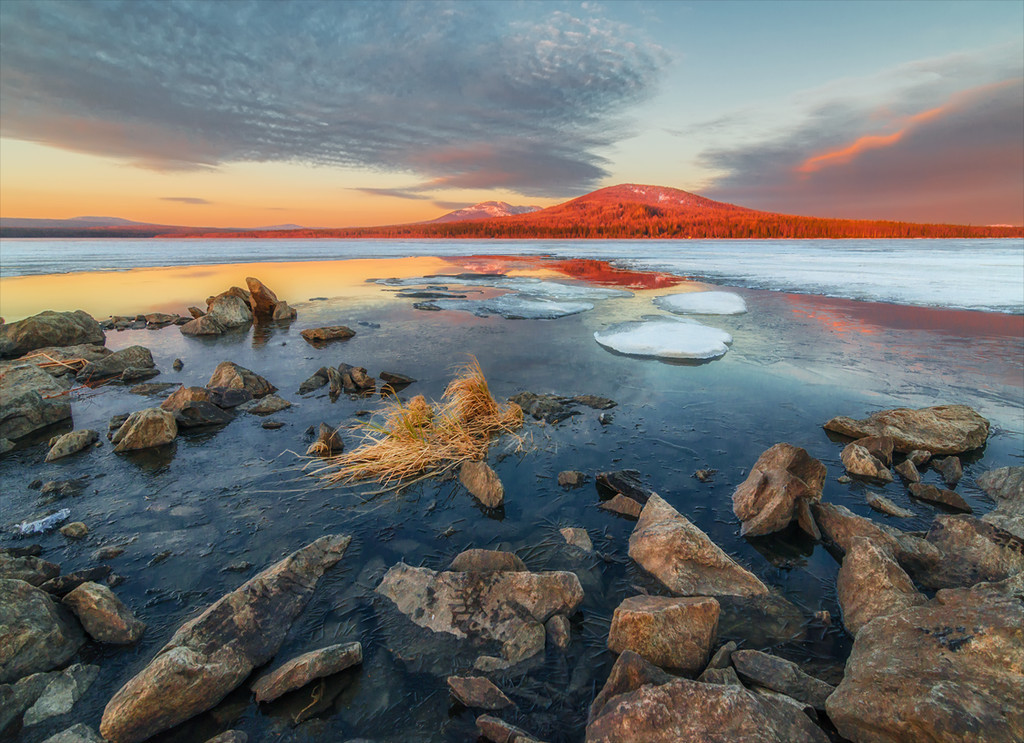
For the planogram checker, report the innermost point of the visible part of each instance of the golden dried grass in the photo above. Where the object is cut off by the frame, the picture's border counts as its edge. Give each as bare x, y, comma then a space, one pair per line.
417, 440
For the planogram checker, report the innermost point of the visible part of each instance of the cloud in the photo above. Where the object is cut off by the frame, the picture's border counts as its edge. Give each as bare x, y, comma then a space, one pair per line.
194, 200
395, 193
392, 87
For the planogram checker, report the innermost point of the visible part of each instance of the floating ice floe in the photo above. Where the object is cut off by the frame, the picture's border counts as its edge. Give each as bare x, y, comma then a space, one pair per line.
703, 303
45, 524
515, 307
665, 338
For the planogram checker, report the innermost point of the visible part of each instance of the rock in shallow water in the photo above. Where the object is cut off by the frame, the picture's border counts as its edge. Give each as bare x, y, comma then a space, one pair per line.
783, 482
871, 584
482, 482
479, 692
945, 429
145, 429
310, 666
782, 676
49, 328
30, 399
234, 377
114, 365
103, 615
859, 462
669, 632
61, 693
36, 634
71, 443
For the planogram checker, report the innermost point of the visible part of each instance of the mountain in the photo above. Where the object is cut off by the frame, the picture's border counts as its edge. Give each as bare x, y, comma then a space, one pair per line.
484, 210
74, 222
110, 227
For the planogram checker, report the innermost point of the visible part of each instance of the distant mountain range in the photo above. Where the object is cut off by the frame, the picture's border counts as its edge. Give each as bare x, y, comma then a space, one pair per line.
107, 227
628, 211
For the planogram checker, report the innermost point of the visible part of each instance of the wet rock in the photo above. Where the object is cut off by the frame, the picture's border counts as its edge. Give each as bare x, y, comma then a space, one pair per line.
17, 697
577, 537
871, 584
669, 632
145, 429
114, 365
571, 478
272, 425
558, 631
107, 553
950, 469
230, 736
28, 568
859, 462
486, 561
547, 408
313, 336
328, 443
883, 505
630, 672
266, 405
235, 377
74, 530
973, 550
354, 379
135, 374
159, 319
283, 312
30, 399
623, 482
724, 676
595, 402
949, 498
103, 615
36, 634
71, 443
948, 670
230, 311
684, 710
61, 693
262, 299
1006, 487
509, 608
946, 429
482, 482
770, 498
682, 557
203, 325
764, 620
49, 328
61, 585
479, 692
705, 475
213, 653
177, 365
623, 506
880, 447
201, 414
308, 667
907, 471
77, 733
315, 382
782, 676
497, 730
396, 380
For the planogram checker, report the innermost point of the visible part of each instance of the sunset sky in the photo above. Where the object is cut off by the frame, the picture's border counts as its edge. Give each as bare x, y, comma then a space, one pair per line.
331, 114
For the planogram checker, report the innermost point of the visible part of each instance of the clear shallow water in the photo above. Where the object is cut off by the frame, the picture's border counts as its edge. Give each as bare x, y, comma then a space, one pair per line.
965, 274
239, 493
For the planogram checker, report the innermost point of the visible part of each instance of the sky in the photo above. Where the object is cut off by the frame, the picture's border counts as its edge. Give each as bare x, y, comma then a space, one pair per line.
332, 114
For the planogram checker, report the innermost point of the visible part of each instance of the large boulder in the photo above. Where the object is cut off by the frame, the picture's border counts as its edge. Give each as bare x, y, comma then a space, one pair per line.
630, 672
231, 375
946, 429
1006, 487
683, 558
974, 551
781, 675
114, 365
871, 584
212, 654
30, 399
684, 710
949, 670
49, 328
36, 633
783, 483
230, 311
145, 429
673, 633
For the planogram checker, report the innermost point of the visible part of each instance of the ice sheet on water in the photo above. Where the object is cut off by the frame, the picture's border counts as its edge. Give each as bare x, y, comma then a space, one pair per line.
516, 307
540, 288
703, 303
665, 338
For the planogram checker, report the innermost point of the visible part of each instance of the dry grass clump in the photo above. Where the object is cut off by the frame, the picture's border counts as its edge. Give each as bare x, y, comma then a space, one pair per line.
75, 365
416, 440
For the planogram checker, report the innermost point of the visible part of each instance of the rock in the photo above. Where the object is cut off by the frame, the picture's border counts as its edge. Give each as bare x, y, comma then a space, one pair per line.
883, 505
145, 429
482, 482
71, 443
769, 499
571, 478
684, 710
871, 584
49, 328
184, 395
262, 300
17, 697
927, 492
880, 447
61, 585
577, 537
328, 443
103, 615
623, 482
395, 380
354, 379
723, 656
1006, 487
907, 471
235, 736
950, 469
630, 672
272, 425
504, 607
764, 620
724, 676
235, 377
486, 561
229, 397
230, 311
919, 457
498, 731
135, 374
861, 463
669, 632
114, 365
77, 733
705, 475
310, 666
683, 558
558, 631
946, 429
196, 312
974, 551
61, 693
30, 399
479, 692
623, 506
55, 490
213, 653
28, 568
201, 414
547, 408
159, 319
36, 634
782, 676
283, 313
63, 360
6, 446
107, 553
947, 670
266, 405
177, 365
326, 334
203, 325
315, 382
74, 530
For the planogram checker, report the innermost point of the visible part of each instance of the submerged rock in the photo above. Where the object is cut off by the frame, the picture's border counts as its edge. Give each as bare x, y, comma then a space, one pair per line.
571, 478
77, 733
669, 632
49, 328
784, 481
871, 584
103, 615
310, 666
497, 730
234, 377
213, 653
683, 558
577, 537
36, 634
144, 429
482, 482
945, 429
486, 561
883, 505
313, 336
478, 692
71, 443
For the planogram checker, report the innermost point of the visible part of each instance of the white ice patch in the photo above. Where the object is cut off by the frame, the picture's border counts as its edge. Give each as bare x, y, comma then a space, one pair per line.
516, 307
703, 303
666, 338
522, 284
